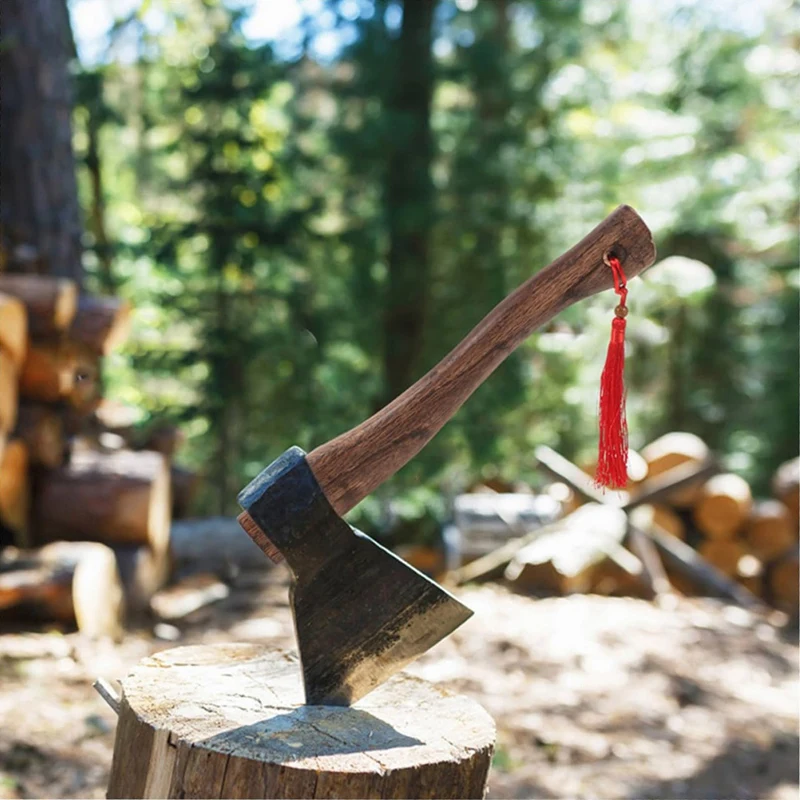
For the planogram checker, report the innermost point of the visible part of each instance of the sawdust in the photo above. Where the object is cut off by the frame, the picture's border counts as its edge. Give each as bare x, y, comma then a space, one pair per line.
593, 697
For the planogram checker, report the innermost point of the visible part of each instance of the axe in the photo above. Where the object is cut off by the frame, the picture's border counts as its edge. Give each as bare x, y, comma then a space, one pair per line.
360, 612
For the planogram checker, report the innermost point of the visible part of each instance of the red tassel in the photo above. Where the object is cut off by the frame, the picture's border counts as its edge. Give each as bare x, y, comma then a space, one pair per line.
612, 458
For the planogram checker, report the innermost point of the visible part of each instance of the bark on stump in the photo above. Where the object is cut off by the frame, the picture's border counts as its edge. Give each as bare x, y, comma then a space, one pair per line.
229, 721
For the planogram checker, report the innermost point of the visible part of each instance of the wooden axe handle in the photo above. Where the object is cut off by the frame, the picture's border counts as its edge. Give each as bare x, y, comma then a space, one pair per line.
355, 463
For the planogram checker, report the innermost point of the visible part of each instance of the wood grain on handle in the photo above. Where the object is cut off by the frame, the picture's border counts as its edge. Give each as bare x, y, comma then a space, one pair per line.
355, 463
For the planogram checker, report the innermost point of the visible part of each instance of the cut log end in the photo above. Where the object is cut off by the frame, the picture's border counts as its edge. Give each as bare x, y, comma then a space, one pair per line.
769, 532
229, 721
661, 517
13, 328
783, 578
724, 506
724, 554
15, 490
8, 392
70, 582
674, 450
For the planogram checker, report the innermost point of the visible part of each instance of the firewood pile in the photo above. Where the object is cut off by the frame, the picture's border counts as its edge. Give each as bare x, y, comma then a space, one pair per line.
85, 508
680, 525
753, 541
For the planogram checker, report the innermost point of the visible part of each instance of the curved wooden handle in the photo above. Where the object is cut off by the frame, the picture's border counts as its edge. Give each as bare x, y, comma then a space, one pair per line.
355, 463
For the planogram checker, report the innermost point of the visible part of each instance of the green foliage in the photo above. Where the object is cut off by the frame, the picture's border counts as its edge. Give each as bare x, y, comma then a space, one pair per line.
253, 201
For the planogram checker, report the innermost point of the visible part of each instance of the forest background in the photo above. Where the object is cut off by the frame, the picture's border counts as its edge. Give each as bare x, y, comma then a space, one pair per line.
308, 202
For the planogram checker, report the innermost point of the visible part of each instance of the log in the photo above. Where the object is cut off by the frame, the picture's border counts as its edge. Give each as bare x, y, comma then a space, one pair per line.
637, 469
723, 506
662, 488
121, 497
13, 329
8, 392
649, 516
62, 370
750, 574
143, 572
228, 720
654, 488
564, 495
673, 450
724, 554
610, 579
51, 302
42, 430
783, 579
786, 487
569, 553
769, 532
15, 491
695, 572
49, 371
101, 323
653, 574
86, 393
214, 544
564, 470
72, 582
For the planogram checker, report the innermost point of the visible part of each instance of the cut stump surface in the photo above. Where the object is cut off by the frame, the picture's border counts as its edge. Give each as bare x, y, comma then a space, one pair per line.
229, 721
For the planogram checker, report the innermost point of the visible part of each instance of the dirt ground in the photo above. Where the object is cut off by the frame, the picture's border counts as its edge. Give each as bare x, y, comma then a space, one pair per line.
593, 697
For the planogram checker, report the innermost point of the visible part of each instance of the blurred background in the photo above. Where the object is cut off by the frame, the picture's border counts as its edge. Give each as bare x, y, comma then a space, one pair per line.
229, 227
309, 203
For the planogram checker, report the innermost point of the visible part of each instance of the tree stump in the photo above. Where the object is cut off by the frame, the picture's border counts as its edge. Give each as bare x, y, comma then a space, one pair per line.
229, 721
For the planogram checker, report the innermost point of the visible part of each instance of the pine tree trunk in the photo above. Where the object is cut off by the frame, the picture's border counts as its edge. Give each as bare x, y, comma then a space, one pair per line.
37, 167
409, 197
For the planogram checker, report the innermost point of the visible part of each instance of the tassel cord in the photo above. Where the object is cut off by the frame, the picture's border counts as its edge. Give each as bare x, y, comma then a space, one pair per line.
612, 461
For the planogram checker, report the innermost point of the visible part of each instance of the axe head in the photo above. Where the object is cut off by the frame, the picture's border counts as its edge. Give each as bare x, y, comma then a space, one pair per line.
360, 612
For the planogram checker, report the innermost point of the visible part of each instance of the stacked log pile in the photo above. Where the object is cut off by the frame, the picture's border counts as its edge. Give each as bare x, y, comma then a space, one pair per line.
686, 527
753, 541
81, 523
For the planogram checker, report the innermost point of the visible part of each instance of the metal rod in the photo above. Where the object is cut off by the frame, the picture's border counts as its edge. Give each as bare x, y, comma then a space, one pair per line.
108, 693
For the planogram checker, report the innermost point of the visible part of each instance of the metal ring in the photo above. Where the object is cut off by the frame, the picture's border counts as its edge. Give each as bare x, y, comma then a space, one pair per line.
609, 254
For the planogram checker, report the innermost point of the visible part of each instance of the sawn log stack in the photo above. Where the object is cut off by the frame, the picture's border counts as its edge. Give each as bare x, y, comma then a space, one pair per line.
60, 481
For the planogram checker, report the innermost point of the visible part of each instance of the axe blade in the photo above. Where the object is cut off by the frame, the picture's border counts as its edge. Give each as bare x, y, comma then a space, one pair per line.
363, 617
360, 612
